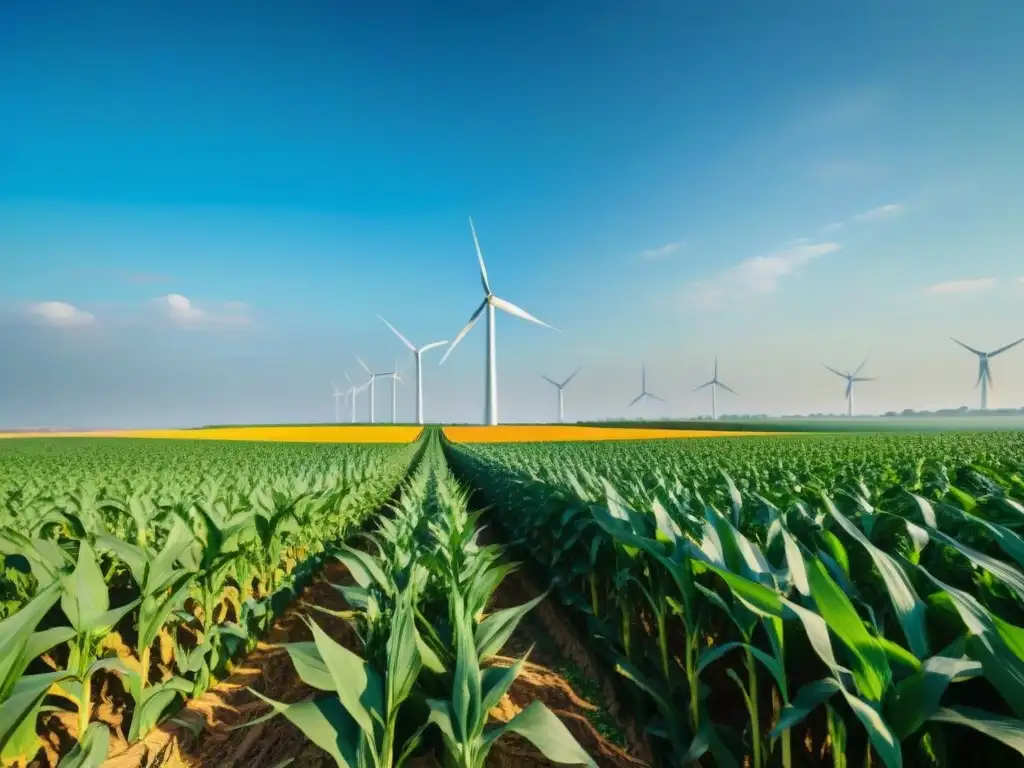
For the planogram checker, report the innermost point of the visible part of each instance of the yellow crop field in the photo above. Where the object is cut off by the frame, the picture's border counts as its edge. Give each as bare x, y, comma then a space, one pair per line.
548, 433
338, 434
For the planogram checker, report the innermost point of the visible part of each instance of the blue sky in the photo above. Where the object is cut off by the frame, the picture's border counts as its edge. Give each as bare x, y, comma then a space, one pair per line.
780, 184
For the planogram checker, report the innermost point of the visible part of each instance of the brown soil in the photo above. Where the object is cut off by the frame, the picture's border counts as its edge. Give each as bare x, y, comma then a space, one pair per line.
202, 735
207, 739
558, 646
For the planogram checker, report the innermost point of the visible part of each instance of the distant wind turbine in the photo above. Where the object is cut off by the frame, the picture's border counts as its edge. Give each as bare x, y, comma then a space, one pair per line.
355, 391
851, 379
417, 352
984, 371
373, 378
643, 388
715, 384
489, 303
561, 399
395, 380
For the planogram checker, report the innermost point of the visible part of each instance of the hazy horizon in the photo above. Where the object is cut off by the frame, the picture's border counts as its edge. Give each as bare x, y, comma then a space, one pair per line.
202, 210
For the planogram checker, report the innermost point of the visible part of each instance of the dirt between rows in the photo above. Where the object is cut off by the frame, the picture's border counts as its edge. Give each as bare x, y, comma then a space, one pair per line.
204, 732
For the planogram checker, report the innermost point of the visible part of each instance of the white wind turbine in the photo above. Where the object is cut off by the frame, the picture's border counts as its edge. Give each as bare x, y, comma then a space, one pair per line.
337, 405
714, 384
984, 370
489, 303
561, 399
373, 378
851, 379
643, 388
355, 391
417, 353
395, 380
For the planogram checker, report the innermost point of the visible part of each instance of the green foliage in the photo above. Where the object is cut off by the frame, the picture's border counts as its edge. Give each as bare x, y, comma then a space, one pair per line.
824, 570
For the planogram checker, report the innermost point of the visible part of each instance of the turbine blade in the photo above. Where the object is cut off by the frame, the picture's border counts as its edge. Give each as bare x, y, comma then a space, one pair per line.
573, 376
637, 399
550, 381
969, 349
849, 388
364, 365
464, 331
394, 330
349, 379
705, 384
728, 389
1003, 349
432, 345
837, 373
512, 309
660, 399
480, 258
859, 367
865, 378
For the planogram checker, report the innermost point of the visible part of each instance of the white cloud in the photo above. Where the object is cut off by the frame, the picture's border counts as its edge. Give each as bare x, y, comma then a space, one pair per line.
881, 212
759, 275
835, 226
184, 312
180, 309
976, 285
61, 314
662, 251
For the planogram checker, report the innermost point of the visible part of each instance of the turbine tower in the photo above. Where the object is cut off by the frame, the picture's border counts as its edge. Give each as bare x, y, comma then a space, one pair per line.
490, 303
984, 371
561, 399
395, 379
715, 384
373, 378
355, 391
417, 352
643, 388
851, 378
337, 407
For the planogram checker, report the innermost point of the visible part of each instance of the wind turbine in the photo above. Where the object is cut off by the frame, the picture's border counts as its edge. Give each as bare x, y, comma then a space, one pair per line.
715, 384
373, 378
355, 391
851, 378
419, 371
489, 303
643, 388
984, 371
560, 387
337, 408
395, 379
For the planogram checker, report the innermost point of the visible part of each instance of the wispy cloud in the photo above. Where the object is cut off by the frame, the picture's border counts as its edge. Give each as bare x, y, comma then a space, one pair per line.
880, 212
185, 313
959, 287
60, 314
662, 251
758, 275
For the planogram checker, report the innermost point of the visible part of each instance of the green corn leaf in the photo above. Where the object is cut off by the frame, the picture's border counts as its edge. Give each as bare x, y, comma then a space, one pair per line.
493, 632
870, 668
538, 725
91, 750
1004, 729
358, 686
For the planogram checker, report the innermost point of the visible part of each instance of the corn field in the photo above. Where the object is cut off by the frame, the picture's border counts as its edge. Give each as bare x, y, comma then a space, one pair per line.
766, 601
844, 600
